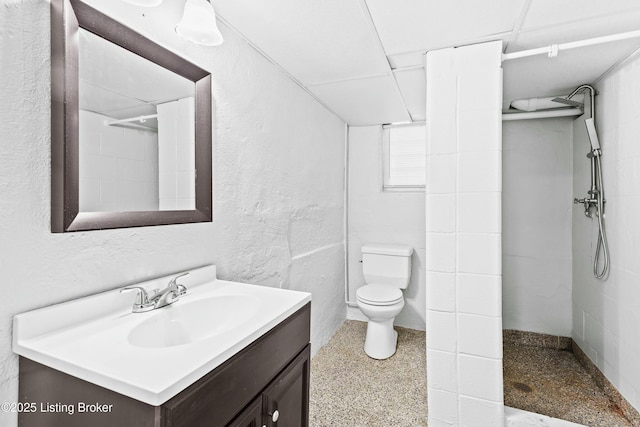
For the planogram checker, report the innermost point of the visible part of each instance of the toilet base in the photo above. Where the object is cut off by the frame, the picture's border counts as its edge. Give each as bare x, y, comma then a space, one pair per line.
382, 340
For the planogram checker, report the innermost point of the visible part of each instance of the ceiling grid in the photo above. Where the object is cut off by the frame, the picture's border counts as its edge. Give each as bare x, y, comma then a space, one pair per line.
362, 59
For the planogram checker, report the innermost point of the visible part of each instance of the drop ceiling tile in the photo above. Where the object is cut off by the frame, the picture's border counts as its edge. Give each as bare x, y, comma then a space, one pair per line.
103, 101
107, 66
412, 25
543, 13
366, 101
315, 41
403, 60
412, 84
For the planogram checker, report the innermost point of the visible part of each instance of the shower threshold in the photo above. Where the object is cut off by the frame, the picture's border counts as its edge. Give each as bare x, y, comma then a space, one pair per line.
519, 418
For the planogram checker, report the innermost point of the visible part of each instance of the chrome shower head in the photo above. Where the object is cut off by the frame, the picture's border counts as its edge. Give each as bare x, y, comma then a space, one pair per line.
569, 102
593, 136
580, 89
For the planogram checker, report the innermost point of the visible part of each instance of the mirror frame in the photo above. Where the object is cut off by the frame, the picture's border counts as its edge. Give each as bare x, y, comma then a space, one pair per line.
67, 16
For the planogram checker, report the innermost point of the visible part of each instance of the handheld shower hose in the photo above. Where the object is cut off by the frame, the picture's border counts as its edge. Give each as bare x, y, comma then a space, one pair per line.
602, 233
595, 198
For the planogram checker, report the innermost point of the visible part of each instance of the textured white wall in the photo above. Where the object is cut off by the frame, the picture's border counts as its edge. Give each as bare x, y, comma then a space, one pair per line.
606, 313
464, 254
376, 216
537, 202
278, 190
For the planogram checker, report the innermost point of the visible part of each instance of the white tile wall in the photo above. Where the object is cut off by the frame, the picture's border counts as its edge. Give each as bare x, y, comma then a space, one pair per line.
444, 220
480, 335
480, 413
480, 171
480, 212
477, 377
441, 251
606, 315
441, 171
442, 370
445, 407
464, 253
119, 166
479, 125
176, 154
442, 295
480, 253
480, 294
441, 330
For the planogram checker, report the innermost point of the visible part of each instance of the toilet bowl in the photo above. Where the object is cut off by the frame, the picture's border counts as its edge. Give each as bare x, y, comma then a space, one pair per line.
381, 305
386, 270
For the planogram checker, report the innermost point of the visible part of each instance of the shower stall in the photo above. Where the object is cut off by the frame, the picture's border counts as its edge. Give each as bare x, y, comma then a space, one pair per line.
594, 202
561, 284
532, 192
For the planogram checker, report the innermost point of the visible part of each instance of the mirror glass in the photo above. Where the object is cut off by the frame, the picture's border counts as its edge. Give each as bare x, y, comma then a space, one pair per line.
131, 127
136, 132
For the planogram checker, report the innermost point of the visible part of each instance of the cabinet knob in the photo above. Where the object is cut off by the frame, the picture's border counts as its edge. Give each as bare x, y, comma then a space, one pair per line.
274, 416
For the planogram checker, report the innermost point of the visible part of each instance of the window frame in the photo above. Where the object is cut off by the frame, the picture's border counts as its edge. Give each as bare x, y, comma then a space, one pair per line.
386, 144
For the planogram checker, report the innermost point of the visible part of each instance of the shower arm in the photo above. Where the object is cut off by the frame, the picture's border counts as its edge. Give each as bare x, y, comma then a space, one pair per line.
595, 152
592, 98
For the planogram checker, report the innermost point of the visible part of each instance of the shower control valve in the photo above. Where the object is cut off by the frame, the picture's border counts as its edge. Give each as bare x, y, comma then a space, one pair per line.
587, 204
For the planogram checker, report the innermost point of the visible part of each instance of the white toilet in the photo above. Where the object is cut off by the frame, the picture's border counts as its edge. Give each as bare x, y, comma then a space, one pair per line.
387, 269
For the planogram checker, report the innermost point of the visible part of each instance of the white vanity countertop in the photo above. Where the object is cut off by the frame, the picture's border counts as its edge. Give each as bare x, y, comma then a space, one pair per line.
88, 338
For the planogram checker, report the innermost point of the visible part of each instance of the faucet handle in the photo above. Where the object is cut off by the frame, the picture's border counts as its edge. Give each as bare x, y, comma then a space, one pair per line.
142, 299
177, 277
182, 289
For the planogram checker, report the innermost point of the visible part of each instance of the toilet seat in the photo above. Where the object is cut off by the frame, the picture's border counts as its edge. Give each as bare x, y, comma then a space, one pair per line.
379, 295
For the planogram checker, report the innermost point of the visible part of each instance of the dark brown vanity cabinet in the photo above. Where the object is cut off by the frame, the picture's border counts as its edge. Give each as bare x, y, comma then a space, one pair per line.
285, 402
265, 384
251, 416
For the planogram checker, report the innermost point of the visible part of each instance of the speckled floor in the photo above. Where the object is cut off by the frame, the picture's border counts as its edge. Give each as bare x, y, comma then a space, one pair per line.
349, 389
553, 383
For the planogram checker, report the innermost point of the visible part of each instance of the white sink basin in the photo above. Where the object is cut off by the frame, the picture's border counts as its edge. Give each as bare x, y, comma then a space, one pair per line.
153, 356
181, 324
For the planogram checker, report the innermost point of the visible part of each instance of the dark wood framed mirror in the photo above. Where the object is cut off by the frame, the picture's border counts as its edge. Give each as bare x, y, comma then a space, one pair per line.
109, 122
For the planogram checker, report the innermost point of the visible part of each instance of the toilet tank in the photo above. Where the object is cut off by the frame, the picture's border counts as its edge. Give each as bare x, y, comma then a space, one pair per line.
387, 265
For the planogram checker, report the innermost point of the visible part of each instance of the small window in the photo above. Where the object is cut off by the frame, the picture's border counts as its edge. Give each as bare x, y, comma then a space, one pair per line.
404, 157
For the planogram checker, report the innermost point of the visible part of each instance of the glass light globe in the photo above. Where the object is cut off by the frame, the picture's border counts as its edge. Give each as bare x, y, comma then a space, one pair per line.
198, 24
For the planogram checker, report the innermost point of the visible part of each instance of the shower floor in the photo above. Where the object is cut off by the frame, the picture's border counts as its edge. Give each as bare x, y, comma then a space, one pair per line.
553, 383
348, 389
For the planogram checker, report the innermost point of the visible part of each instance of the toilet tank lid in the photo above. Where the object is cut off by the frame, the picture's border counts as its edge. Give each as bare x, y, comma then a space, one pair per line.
379, 249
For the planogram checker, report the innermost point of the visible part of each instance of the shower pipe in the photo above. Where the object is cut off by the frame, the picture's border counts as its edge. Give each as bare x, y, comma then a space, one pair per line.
346, 219
140, 119
541, 114
595, 198
553, 50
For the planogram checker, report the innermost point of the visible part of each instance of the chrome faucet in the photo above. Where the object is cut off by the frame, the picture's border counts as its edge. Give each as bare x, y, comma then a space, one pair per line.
159, 298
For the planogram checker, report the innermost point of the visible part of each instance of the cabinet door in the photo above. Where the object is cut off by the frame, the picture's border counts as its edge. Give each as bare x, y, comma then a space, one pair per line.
250, 417
286, 400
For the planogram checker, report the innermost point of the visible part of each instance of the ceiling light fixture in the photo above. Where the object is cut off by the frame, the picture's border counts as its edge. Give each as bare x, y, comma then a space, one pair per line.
198, 23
